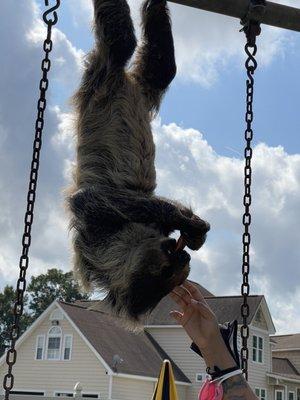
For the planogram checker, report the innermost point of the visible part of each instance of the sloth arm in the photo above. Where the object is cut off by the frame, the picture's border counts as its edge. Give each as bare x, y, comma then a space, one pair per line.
104, 207
115, 43
155, 65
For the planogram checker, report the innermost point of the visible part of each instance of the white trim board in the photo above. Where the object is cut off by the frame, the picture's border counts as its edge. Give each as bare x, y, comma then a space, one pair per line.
283, 378
146, 378
291, 349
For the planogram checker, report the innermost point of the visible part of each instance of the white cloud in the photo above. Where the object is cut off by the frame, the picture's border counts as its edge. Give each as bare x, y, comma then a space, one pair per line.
213, 185
188, 169
19, 80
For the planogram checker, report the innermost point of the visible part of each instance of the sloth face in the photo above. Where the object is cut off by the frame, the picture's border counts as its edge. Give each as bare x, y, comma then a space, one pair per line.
160, 269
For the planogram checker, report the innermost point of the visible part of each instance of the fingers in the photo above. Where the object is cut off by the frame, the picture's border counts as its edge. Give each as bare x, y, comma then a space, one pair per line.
177, 316
194, 291
181, 296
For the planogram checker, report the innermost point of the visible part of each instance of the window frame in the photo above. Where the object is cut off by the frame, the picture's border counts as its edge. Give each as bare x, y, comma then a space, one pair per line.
260, 390
43, 348
281, 391
256, 350
64, 347
51, 335
28, 392
294, 394
64, 392
204, 375
297, 391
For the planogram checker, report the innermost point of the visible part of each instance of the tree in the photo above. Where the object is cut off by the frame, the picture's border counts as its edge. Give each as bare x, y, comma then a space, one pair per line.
44, 289
41, 292
7, 300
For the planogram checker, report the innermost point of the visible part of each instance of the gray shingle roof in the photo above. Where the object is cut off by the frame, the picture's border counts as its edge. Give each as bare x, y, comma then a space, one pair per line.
225, 308
140, 355
283, 366
286, 341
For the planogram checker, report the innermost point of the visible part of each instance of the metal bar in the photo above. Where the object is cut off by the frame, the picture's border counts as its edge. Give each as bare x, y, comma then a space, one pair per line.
276, 14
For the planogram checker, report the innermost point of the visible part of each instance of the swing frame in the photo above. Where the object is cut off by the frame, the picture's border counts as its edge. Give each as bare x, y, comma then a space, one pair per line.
251, 13
277, 15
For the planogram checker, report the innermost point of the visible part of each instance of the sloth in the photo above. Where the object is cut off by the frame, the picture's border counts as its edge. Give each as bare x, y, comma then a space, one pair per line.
121, 228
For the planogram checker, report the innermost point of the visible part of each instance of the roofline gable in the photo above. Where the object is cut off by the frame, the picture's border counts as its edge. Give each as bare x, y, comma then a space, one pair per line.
30, 329
266, 311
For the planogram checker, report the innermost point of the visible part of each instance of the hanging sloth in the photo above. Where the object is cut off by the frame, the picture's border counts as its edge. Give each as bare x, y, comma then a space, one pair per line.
121, 228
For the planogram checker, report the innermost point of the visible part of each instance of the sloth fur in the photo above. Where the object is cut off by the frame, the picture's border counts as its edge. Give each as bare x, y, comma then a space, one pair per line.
121, 228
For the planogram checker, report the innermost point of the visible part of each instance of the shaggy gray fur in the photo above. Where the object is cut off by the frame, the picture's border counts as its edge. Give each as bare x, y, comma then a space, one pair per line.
121, 227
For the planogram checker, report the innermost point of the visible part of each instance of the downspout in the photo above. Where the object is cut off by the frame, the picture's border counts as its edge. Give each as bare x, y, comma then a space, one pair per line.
110, 387
286, 392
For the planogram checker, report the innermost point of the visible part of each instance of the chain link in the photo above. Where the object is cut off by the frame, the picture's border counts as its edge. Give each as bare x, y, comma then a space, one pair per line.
252, 31
11, 355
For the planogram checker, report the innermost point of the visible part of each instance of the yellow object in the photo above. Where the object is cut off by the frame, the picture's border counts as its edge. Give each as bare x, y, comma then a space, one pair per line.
165, 388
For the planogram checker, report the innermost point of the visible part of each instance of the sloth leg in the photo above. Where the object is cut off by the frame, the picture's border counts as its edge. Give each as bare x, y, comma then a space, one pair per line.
114, 31
115, 44
155, 66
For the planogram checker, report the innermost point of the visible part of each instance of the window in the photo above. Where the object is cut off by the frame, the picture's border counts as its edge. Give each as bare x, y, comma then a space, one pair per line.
278, 394
27, 393
298, 393
40, 343
201, 377
54, 342
291, 395
257, 349
67, 347
261, 393
70, 394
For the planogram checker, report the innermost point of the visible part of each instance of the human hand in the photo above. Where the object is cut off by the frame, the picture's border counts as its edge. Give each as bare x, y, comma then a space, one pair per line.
201, 325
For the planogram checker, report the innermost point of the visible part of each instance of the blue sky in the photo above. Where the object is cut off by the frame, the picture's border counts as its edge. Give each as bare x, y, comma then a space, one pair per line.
199, 140
218, 109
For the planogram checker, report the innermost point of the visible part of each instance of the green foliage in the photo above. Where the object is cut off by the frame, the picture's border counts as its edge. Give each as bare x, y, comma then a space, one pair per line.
45, 288
41, 292
7, 299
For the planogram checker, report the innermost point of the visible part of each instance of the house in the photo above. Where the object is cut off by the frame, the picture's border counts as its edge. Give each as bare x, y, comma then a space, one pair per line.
72, 343
285, 376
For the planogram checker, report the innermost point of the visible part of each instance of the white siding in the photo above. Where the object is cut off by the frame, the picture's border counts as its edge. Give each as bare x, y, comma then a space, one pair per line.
176, 343
50, 376
257, 371
287, 387
132, 389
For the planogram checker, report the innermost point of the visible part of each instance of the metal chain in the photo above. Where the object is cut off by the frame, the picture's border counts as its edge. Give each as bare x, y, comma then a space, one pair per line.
11, 355
252, 30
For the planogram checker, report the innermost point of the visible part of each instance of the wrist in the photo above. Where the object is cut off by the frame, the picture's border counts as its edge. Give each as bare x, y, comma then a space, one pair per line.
217, 354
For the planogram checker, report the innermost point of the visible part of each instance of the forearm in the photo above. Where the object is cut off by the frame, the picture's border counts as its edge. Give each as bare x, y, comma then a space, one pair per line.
124, 207
235, 388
